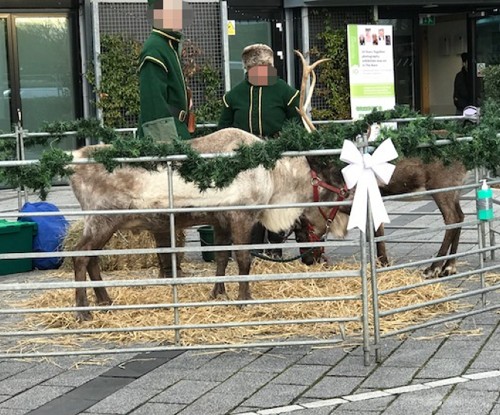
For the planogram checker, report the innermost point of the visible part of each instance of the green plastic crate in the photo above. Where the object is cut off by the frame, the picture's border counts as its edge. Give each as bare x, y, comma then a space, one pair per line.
16, 237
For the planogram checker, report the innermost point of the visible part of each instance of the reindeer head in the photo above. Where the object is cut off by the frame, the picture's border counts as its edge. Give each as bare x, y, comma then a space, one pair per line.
327, 171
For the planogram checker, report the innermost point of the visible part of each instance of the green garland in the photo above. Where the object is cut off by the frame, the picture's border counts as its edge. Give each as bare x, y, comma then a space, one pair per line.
218, 172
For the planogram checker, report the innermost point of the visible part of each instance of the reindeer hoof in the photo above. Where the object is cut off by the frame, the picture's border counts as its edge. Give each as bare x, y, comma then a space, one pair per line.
219, 291
168, 273
82, 316
431, 273
449, 270
244, 298
104, 302
215, 295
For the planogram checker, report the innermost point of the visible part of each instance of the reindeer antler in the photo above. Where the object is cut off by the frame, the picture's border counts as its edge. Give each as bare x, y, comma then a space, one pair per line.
307, 70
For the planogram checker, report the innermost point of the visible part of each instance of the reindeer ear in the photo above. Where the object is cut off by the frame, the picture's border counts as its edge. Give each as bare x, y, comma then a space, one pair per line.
317, 163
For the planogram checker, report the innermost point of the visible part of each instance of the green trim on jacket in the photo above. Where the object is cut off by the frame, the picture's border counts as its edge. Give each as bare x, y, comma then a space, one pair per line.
162, 86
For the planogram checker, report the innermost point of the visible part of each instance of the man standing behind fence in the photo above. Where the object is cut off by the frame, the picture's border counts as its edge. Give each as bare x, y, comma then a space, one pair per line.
260, 104
164, 100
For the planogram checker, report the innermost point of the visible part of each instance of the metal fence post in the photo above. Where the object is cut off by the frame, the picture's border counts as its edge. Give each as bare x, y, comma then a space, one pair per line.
96, 38
175, 295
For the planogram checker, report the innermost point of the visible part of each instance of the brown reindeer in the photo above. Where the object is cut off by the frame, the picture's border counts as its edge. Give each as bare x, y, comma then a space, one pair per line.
136, 188
410, 175
413, 175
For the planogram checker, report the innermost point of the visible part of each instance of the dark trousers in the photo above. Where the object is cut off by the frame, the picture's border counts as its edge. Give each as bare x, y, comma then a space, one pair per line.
259, 236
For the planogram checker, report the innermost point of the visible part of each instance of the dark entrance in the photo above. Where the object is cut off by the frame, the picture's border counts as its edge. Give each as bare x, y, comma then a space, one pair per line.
255, 22
428, 42
484, 44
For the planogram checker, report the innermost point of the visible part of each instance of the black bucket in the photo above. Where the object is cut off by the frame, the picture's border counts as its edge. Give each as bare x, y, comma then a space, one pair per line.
207, 239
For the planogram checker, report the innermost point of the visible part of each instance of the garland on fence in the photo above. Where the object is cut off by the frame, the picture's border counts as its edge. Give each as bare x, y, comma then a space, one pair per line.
483, 150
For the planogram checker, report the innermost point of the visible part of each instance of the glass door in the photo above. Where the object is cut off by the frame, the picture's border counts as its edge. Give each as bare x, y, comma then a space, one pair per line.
486, 48
38, 72
46, 73
404, 49
245, 33
5, 117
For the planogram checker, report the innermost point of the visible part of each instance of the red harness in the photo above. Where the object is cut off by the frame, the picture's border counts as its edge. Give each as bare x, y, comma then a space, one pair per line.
341, 192
311, 235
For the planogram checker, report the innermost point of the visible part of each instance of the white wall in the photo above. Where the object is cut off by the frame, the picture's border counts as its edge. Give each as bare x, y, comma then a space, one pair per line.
447, 40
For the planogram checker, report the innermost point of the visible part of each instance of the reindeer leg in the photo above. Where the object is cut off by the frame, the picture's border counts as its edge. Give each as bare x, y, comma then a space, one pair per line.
162, 239
449, 267
244, 260
90, 241
381, 251
222, 236
80, 268
447, 204
241, 227
94, 271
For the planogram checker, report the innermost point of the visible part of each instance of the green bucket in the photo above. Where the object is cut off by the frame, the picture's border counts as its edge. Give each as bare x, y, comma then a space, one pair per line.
207, 239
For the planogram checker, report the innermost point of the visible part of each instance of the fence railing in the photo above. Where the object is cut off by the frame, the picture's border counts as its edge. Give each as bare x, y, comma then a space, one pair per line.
178, 312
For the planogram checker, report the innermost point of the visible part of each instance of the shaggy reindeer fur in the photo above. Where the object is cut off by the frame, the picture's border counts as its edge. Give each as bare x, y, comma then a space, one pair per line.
135, 188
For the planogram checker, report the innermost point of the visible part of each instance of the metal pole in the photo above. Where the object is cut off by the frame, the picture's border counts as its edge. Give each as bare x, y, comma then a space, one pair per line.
225, 46
175, 296
481, 241
96, 38
374, 275
364, 299
306, 44
84, 65
290, 66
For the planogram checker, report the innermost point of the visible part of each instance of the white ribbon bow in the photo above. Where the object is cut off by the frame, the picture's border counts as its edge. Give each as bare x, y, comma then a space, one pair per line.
361, 171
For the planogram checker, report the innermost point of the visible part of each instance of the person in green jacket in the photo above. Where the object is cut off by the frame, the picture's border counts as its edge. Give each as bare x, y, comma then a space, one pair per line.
164, 101
260, 104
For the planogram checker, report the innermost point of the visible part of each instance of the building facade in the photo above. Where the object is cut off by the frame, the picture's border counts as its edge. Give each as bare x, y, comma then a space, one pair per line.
47, 46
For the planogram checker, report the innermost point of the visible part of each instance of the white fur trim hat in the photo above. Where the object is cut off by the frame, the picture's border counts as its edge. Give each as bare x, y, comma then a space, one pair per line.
257, 54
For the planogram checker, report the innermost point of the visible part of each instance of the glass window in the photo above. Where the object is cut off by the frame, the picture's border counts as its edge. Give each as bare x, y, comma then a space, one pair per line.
488, 40
404, 62
45, 70
5, 121
246, 33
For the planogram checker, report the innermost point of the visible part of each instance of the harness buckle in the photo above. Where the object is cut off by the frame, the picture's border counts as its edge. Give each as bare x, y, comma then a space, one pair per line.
182, 115
314, 181
344, 192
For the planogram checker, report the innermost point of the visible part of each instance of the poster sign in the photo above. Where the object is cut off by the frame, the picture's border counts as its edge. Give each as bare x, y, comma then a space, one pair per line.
371, 68
231, 27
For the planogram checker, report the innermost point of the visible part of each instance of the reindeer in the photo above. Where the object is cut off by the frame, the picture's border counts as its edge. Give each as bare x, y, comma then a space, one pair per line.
410, 175
135, 188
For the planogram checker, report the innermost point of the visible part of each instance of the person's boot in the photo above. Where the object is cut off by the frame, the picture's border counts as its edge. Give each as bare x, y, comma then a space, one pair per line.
275, 238
258, 235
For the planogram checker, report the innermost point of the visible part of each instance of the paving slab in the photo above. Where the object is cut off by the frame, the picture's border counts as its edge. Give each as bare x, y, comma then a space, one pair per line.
35, 397
275, 394
184, 392
462, 401
423, 402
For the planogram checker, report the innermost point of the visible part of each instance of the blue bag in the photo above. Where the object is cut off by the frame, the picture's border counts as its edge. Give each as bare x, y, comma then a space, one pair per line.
50, 235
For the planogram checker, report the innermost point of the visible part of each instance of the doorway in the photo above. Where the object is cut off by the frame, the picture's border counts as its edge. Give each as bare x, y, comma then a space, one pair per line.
485, 46
255, 24
38, 75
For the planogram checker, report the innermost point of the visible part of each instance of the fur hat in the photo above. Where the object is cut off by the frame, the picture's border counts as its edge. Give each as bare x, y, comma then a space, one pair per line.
257, 54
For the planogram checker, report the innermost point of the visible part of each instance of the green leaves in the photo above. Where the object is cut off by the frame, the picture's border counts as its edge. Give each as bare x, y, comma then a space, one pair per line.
38, 177
483, 150
118, 91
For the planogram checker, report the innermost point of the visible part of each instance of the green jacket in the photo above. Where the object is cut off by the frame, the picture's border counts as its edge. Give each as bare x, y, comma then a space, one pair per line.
260, 110
163, 94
